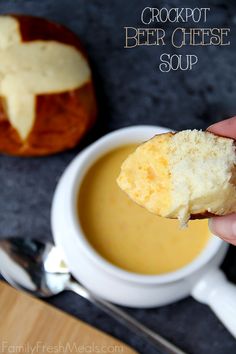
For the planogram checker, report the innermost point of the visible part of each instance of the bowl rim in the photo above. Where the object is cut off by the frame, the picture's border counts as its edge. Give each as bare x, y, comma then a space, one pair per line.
81, 164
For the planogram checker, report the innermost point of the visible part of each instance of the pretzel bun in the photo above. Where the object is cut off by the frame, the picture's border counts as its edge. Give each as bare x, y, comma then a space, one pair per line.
47, 100
189, 174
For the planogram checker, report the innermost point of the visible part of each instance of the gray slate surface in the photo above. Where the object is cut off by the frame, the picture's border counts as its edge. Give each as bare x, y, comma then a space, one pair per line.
131, 91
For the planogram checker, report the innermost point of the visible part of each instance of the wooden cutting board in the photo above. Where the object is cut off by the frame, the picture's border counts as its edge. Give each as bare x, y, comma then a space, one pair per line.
39, 328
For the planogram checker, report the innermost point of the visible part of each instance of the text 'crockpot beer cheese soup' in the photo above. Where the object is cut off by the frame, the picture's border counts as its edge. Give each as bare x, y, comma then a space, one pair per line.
126, 234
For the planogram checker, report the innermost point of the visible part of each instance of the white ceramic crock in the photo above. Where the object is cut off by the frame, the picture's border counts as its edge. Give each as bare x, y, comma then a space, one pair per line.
201, 278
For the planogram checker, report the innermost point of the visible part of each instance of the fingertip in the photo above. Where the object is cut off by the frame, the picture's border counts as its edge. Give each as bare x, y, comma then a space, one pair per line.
224, 227
225, 127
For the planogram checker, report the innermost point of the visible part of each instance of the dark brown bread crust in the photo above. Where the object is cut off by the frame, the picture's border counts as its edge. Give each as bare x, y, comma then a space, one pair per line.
198, 216
61, 119
204, 215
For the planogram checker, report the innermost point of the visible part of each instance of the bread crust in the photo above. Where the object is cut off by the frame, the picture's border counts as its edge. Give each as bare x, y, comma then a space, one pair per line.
61, 119
197, 216
203, 215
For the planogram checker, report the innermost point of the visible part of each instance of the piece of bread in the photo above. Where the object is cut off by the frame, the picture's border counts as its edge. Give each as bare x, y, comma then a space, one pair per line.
47, 100
190, 174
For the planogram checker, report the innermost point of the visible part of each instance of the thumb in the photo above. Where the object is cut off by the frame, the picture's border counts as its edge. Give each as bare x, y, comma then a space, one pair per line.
224, 227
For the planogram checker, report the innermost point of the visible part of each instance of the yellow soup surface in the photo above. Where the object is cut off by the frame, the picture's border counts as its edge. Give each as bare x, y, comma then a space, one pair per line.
127, 235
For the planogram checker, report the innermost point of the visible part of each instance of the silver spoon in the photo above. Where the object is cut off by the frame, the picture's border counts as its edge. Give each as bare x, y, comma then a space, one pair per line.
38, 267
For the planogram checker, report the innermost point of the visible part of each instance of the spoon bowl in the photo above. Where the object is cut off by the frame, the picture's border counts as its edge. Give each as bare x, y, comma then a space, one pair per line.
33, 266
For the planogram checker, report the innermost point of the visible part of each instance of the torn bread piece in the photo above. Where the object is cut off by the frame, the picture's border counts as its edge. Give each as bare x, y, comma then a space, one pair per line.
189, 174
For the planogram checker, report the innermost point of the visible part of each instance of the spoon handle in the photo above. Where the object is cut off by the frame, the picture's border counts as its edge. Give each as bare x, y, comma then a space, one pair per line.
127, 320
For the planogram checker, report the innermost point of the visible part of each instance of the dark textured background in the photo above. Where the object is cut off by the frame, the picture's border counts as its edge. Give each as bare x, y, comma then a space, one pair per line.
131, 90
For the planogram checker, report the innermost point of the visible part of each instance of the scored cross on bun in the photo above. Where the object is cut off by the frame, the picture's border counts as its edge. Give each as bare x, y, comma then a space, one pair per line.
189, 174
47, 99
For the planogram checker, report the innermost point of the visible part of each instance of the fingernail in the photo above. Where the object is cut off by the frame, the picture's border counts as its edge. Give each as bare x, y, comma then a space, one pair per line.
223, 226
210, 126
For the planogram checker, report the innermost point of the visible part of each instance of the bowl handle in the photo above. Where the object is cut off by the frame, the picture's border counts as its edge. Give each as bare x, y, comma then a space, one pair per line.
216, 291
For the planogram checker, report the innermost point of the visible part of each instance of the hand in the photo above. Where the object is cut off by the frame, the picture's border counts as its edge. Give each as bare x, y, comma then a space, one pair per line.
224, 226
